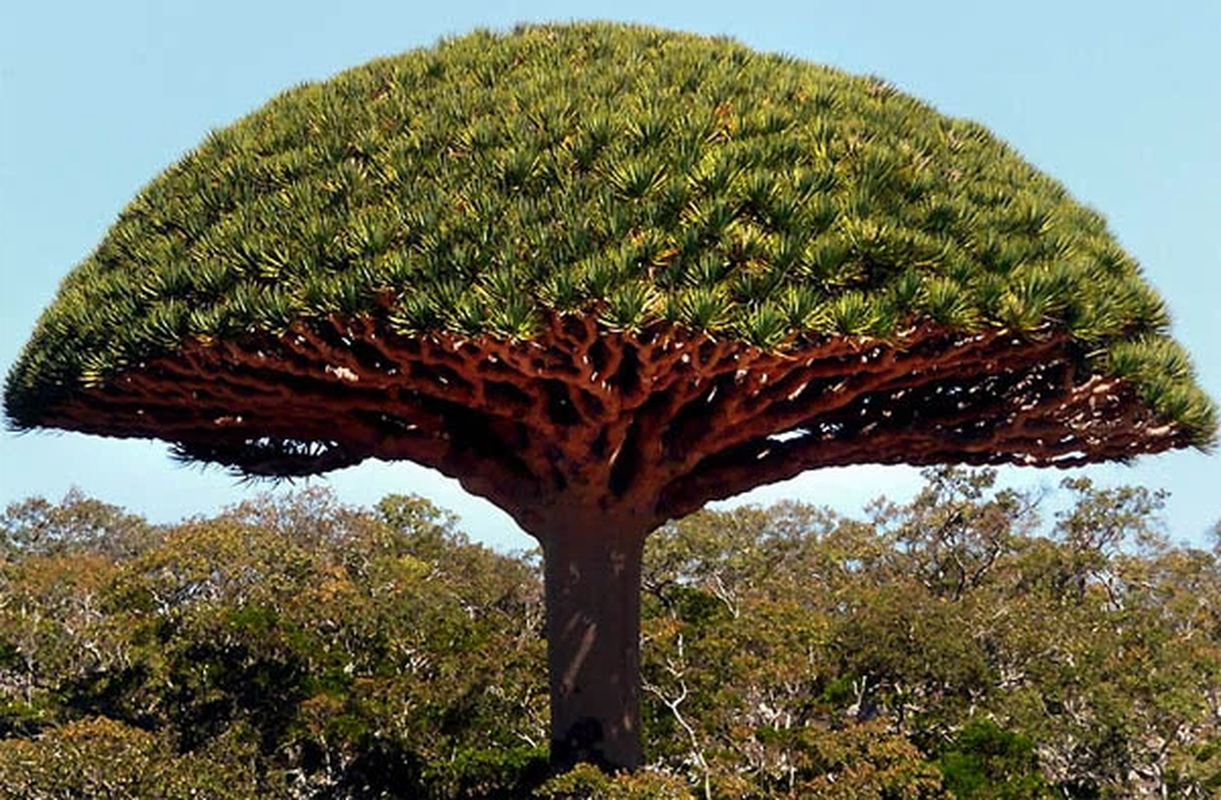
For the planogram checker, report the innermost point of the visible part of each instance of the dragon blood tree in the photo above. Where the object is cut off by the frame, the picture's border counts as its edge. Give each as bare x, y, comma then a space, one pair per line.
603, 274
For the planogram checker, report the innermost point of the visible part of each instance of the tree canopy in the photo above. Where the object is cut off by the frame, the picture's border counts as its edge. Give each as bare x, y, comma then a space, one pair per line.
498, 182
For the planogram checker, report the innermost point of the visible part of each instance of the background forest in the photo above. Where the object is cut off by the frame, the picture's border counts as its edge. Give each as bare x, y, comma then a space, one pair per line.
960, 645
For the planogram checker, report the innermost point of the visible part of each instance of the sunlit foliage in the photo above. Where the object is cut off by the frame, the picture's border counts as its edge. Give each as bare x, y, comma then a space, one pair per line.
635, 173
956, 645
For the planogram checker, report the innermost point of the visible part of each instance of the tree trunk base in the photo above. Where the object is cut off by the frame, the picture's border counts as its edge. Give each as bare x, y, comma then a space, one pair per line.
592, 574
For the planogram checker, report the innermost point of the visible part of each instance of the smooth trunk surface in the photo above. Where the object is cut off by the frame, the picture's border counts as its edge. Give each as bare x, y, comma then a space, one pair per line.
592, 576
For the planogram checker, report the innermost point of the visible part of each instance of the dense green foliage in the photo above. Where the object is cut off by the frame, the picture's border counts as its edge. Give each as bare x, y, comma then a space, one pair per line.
953, 646
638, 174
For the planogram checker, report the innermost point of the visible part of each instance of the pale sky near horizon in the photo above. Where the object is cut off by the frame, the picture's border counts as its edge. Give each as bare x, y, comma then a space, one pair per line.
1118, 100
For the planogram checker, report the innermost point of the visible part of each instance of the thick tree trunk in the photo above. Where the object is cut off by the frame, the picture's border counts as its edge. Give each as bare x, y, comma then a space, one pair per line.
592, 574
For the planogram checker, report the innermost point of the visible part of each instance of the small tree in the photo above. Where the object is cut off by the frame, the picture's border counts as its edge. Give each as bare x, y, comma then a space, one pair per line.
603, 274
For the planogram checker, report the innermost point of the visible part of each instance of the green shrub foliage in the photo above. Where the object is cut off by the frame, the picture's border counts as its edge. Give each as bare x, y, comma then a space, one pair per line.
635, 173
950, 646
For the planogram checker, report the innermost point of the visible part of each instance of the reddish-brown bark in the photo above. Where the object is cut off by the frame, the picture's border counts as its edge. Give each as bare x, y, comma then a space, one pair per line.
591, 438
659, 421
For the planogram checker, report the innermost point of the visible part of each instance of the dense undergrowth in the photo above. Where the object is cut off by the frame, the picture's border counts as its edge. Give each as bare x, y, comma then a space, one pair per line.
953, 646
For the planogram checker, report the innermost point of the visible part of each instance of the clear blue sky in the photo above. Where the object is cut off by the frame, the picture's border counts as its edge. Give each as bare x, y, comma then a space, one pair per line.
1119, 100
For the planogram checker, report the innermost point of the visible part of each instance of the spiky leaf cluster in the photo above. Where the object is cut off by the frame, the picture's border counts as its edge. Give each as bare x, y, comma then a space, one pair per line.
634, 173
